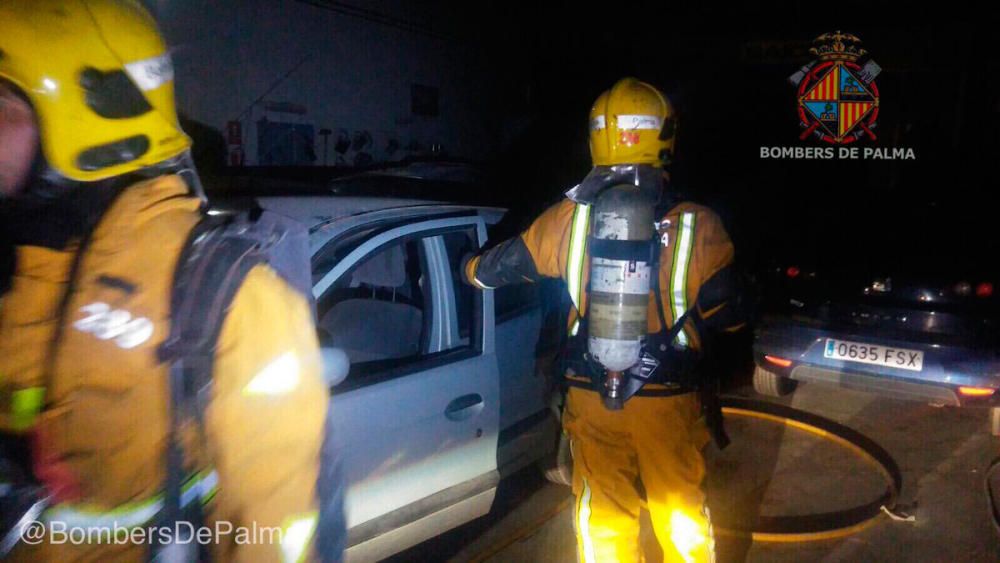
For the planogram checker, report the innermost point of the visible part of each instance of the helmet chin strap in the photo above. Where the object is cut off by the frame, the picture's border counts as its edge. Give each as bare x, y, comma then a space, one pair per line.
51, 214
190, 175
51, 210
43, 184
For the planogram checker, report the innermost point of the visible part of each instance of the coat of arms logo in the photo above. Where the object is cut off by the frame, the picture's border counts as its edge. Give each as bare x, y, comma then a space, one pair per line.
838, 100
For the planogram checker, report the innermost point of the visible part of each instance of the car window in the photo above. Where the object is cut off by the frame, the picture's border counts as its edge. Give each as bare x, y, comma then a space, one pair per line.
325, 260
381, 311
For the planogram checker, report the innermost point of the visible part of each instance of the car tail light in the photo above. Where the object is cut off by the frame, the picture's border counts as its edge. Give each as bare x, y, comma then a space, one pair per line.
793, 272
984, 289
976, 391
782, 362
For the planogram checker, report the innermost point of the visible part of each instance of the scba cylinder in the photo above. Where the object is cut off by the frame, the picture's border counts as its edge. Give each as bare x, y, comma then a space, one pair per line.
620, 271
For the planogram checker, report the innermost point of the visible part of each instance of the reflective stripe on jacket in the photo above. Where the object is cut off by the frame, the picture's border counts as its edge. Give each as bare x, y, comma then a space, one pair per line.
695, 254
105, 409
199, 488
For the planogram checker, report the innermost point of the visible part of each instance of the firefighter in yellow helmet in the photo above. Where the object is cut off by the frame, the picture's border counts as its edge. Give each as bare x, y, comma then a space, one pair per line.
99, 197
649, 288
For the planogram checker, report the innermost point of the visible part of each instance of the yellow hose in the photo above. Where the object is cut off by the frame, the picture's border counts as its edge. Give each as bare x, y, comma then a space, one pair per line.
835, 533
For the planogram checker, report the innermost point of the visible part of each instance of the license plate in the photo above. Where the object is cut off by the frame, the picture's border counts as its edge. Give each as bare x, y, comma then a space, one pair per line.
900, 358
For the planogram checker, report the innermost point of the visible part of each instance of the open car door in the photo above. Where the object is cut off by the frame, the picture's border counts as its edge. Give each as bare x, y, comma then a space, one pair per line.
417, 416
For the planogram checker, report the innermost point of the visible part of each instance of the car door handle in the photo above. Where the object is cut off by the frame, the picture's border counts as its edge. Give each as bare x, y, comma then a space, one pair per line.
464, 407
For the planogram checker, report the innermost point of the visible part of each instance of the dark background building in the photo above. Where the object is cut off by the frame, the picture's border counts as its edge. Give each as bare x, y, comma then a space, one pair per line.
509, 86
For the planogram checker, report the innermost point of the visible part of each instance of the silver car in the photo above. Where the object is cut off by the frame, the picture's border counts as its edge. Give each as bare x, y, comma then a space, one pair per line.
435, 390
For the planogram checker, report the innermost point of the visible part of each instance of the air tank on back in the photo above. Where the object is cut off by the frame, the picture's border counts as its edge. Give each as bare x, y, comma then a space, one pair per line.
620, 271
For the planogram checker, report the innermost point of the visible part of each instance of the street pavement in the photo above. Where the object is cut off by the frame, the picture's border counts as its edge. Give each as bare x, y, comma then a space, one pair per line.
771, 469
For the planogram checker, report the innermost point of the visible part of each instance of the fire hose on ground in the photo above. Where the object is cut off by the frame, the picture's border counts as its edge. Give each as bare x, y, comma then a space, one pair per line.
826, 525
991, 496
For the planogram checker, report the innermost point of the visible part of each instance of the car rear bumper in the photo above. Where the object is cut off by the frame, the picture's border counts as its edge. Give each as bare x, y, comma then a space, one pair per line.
946, 368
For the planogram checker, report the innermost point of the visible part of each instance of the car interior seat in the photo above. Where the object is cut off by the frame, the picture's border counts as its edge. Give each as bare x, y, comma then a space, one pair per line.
379, 315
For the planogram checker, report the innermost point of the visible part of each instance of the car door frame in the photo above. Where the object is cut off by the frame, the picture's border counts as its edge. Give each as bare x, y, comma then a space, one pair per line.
405, 525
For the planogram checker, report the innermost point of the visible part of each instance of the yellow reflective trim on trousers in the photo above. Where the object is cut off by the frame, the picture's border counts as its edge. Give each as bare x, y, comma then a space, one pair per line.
25, 404
679, 272
587, 554
202, 485
575, 258
711, 535
687, 536
296, 536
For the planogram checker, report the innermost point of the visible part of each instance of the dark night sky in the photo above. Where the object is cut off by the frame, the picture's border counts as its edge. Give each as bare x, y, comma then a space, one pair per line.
726, 68
939, 95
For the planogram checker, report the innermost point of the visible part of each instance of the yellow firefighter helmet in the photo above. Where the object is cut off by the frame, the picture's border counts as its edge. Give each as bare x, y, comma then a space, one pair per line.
100, 80
632, 123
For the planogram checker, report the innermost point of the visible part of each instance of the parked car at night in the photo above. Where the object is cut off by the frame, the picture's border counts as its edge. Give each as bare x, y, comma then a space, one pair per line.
904, 306
440, 395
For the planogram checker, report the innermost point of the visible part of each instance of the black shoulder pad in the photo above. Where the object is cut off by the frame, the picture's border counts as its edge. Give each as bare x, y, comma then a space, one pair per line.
220, 252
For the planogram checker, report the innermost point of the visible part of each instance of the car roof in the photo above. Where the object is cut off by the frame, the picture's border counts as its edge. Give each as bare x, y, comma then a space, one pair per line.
313, 210
328, 216
430, 171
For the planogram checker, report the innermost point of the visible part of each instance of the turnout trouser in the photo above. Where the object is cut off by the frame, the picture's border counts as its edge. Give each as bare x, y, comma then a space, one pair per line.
653, 440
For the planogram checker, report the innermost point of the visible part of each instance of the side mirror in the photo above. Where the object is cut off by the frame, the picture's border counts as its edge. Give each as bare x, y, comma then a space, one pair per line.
336, 366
